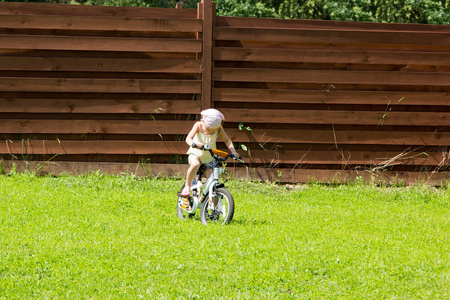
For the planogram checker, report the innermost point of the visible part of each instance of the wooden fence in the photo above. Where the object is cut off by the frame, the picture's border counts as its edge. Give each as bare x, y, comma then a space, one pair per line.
117, 89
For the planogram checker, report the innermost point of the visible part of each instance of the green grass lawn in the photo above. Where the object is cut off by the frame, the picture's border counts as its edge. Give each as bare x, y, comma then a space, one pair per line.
101, 237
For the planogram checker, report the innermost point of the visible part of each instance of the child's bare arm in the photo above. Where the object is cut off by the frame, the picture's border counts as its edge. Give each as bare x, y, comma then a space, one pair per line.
191, 134
227, 141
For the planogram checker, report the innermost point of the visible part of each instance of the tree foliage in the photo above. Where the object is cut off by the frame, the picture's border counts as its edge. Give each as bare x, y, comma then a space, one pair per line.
244, 8
386, 11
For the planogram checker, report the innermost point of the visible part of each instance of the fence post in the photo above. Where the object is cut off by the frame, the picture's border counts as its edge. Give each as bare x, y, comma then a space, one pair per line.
206, 11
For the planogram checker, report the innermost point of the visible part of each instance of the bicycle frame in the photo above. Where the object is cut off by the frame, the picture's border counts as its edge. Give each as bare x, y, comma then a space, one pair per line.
200, 190
212, 184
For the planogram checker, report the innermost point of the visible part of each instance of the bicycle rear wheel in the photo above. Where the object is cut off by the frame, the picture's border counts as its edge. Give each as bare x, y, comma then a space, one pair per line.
222, 213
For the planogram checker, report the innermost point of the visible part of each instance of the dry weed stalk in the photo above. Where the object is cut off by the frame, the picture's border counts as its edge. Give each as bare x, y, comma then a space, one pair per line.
300, 161
442, 163
393, 161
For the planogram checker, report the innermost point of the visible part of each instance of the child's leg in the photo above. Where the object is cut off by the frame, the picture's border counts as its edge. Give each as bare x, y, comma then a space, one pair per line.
194, 164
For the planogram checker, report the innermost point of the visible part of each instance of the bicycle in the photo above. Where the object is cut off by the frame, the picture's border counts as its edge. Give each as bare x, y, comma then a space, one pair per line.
217, 203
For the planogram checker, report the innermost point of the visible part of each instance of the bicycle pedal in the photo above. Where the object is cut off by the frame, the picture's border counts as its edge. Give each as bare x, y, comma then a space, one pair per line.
185, 202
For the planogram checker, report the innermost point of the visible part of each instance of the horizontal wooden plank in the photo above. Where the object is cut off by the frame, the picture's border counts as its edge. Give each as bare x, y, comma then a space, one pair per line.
334, 137
61, 147
330, 76
99, 23
82, 168
90, 43
295, 157
331, 56
11, 8
83, 127
93, 106
94, 85
332, 37
242, 22
326, 46
367, 158
285, 175
97, 54
330, 97
377, 118
432, 177
65, 64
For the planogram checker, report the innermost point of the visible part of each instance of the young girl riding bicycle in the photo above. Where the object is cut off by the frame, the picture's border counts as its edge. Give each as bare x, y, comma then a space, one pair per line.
204, 132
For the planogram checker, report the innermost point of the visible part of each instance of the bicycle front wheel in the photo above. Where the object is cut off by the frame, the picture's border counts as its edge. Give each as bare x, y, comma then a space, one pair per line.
223, 211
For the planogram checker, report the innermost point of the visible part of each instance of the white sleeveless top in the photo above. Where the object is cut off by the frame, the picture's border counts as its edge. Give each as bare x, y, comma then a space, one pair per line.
204, 156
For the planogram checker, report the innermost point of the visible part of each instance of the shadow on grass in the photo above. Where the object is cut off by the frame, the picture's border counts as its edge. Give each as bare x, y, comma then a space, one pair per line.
247, 222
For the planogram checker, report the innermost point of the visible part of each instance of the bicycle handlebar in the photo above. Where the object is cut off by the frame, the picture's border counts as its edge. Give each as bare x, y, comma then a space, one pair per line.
220, 155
